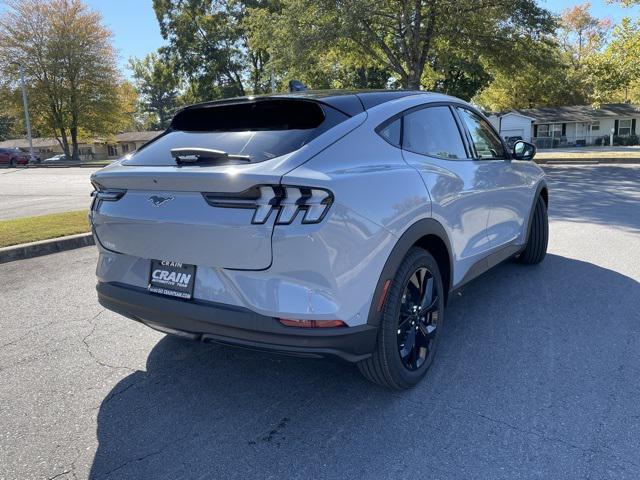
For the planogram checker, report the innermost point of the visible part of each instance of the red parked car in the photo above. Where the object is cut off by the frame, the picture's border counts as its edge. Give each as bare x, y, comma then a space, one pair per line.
13, 157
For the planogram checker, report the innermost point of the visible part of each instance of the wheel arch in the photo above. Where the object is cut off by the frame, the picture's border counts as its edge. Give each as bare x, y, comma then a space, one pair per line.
545, 194
541, 191
428, 234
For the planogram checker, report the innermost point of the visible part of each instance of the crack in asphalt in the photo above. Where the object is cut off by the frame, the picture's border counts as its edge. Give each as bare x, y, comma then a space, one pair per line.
100, 362
542, 436
147, 455
27, 333
115, 394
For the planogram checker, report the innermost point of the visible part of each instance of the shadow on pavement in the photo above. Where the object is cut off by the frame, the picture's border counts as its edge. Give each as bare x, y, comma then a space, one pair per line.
537, 366
607, 195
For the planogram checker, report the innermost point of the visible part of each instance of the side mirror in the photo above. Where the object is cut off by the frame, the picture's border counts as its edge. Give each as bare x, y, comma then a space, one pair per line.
523, 150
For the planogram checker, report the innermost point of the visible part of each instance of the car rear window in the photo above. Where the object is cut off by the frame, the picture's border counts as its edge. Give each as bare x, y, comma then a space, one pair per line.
259, 129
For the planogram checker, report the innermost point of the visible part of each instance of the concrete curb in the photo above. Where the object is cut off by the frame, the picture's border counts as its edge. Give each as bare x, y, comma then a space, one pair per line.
45, 247
61, 165
587, 161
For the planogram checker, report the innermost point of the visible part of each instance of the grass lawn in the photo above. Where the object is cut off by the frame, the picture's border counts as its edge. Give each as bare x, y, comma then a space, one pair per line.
31, 229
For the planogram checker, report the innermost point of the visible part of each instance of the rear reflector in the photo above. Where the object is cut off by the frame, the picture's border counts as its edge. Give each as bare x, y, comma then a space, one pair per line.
312, 323
383, 295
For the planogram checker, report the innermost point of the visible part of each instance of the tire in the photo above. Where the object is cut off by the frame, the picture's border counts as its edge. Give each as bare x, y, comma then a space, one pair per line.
389, 364
538, 240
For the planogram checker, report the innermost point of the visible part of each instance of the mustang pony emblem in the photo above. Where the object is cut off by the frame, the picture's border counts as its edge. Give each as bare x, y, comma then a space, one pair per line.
159, 200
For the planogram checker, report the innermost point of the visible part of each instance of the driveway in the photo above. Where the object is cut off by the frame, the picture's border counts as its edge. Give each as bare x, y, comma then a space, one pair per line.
536, 376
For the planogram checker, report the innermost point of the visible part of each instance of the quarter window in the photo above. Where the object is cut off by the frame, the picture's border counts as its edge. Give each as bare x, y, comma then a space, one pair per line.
487, 143
391, 133
433, 131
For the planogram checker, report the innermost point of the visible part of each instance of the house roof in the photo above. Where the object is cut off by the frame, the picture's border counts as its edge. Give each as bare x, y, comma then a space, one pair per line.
517, 114
138, 136
52, 142
24, 143
580, 113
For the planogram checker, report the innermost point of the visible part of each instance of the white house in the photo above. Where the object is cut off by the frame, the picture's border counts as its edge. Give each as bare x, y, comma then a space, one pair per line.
582, 125
571, 126
513, 124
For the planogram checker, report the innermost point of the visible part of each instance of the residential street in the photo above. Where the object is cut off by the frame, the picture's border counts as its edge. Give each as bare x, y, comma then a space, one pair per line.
25, 192
536, 375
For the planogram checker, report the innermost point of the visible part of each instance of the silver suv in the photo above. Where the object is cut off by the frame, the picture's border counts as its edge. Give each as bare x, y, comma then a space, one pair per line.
316, 224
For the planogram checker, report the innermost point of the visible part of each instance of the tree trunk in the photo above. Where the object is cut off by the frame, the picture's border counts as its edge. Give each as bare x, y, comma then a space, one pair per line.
413, 80
64, 142
162, 117
75, 155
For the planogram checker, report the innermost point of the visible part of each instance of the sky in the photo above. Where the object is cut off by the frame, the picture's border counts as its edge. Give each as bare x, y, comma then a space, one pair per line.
136, 31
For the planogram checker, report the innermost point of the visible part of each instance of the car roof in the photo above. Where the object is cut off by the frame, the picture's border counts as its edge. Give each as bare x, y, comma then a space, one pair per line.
350, 102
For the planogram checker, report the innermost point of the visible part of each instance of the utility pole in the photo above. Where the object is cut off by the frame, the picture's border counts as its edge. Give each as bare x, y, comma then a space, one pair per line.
272, 80
26, 110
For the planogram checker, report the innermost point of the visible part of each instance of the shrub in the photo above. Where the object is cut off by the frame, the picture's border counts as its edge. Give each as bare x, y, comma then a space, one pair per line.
618, 140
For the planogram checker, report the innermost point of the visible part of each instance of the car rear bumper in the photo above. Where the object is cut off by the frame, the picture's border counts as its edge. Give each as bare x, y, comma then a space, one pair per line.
232, 325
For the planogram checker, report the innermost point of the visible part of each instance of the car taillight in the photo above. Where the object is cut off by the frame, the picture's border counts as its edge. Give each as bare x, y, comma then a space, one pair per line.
285, 200
106, 194
312, 323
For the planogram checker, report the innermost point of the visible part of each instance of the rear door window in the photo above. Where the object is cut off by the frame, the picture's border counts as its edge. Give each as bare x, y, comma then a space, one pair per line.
433, 131
486, 141
259, 130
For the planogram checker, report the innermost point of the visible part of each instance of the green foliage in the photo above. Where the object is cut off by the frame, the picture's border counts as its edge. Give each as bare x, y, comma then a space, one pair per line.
208, 44
615, 74
434, 44
549, 81
69, 64
158, 86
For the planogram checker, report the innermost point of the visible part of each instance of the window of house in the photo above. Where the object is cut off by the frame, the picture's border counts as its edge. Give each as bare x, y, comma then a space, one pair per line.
125, 148
112, 151
84, 150
543, 131
624, 127
487, 143
595, 126
433, 131
556, 130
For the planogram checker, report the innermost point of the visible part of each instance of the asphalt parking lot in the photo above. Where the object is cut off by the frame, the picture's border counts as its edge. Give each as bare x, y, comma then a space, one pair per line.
537, 375
25, 192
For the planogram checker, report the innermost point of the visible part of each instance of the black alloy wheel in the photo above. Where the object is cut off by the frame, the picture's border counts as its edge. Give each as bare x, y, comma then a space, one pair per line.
412, 318
418, 320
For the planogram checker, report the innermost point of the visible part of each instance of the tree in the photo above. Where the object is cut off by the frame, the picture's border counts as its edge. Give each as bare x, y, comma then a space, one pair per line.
10, 124
206, 39
410, 39
582, 34
531, 88
615, 73
69, 64
158, 86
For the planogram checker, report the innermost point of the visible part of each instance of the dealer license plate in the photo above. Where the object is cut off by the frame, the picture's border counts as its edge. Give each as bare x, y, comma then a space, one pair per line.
173, 279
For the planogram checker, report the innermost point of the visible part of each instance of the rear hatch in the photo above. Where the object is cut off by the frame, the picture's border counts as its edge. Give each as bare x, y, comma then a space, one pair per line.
199, 194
